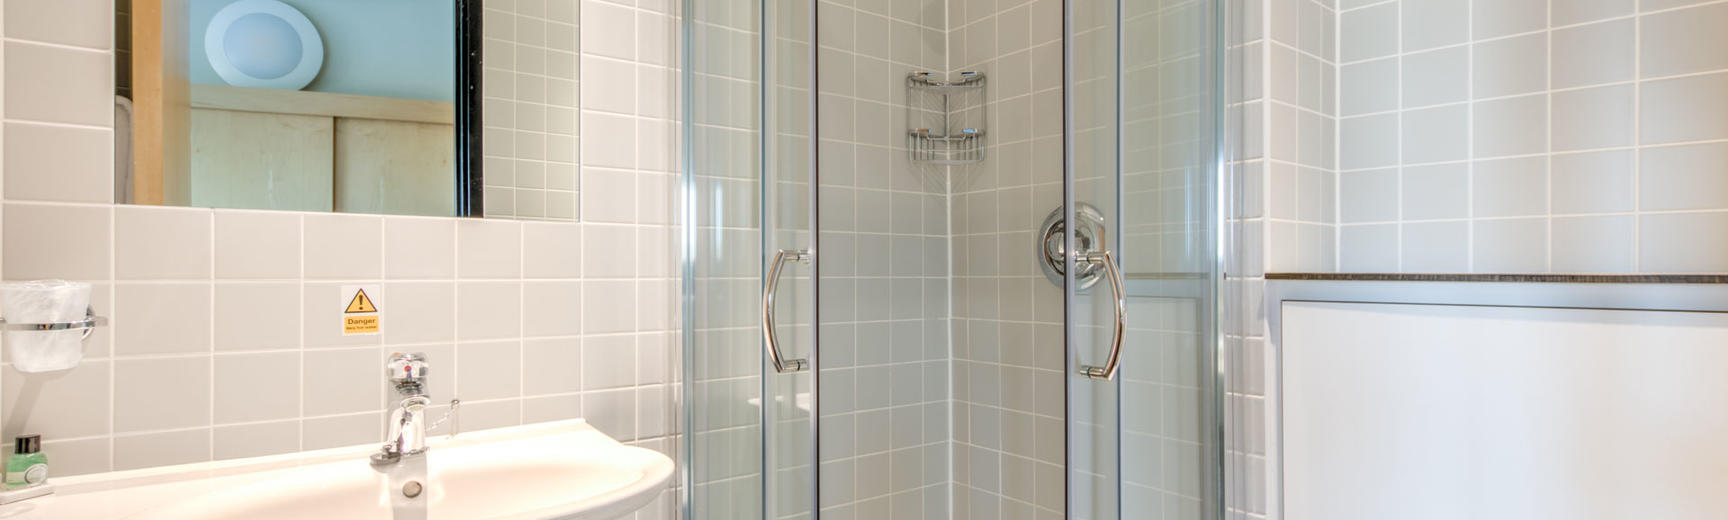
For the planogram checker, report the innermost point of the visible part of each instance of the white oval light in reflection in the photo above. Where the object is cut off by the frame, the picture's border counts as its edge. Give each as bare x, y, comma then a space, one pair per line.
264, 44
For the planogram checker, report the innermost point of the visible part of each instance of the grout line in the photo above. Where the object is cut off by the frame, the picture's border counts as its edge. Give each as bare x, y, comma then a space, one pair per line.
114, 328
521, 327
1402, 168
1532, 93
1469, 139
52, 45
300, 330
1548, 158
1337, 136
210, 324
1627, 148
1637, 136
1264, 119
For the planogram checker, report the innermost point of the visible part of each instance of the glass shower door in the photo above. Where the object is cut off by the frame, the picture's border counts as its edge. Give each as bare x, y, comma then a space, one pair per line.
951, 383
1092, 237
749, 262
789, 334
722, 269
1142, 173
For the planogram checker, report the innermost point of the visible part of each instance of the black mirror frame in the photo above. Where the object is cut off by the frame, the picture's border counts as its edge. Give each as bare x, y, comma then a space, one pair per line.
470, 183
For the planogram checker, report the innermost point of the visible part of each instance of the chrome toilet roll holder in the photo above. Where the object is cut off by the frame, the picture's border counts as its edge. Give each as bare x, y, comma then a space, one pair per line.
88, 324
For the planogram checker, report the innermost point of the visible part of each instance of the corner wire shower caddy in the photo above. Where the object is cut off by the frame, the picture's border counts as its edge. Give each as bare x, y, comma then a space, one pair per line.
946, 117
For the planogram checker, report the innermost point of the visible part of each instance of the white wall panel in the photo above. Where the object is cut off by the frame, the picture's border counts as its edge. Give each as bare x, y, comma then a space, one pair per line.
1427, 411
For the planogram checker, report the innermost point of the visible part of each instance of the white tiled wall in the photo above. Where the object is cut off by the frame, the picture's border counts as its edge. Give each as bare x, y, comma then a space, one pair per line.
224, 321
885, 286
1299, 170
1472, 136
1009, 437
1533, 136
531, 85
1250, 238
629, 105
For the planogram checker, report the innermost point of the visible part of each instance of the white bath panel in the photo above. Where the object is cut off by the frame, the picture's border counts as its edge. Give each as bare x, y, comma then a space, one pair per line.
1447, 412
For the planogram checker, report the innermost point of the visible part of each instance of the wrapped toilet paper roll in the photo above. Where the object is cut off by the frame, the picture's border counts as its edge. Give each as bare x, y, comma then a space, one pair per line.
44, 301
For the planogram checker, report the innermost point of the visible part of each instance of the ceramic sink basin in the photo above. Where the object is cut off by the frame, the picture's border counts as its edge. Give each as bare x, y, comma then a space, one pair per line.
565, 470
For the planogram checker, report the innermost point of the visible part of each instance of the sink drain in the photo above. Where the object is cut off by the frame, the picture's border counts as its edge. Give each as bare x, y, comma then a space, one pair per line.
412, 489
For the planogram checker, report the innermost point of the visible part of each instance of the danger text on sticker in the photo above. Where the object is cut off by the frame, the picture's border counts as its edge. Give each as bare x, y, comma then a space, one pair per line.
359, 324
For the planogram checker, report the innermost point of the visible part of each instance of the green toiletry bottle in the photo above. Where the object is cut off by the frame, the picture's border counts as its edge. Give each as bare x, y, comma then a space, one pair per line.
27, 466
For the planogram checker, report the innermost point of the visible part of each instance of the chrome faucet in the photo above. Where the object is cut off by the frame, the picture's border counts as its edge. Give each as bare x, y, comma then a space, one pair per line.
408, 426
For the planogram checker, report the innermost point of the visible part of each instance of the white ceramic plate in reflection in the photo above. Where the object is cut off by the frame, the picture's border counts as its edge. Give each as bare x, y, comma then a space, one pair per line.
264, 44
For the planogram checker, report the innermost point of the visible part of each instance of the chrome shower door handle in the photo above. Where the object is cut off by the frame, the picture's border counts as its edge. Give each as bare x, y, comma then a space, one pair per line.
769, 339
1108, 371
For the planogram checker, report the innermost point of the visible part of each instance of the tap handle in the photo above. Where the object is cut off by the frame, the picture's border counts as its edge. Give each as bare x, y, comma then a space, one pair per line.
407, 372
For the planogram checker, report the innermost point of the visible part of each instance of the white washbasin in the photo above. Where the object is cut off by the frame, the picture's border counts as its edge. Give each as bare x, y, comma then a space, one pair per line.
555, 470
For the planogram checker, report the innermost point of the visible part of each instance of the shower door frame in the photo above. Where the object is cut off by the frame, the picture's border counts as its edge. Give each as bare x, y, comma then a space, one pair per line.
1216, 239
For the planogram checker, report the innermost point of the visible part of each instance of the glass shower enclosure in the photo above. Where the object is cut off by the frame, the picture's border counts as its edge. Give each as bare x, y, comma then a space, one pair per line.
952, 259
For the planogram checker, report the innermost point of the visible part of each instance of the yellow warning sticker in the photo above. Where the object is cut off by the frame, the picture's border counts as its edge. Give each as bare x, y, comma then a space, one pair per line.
360, 303
360, 310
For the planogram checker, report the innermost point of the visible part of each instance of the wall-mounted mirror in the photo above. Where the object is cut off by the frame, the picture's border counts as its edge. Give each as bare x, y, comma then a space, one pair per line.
359, 106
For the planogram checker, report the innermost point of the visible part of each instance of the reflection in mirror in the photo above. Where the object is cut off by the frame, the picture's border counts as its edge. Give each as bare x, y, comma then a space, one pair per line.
530, 107
312, 105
